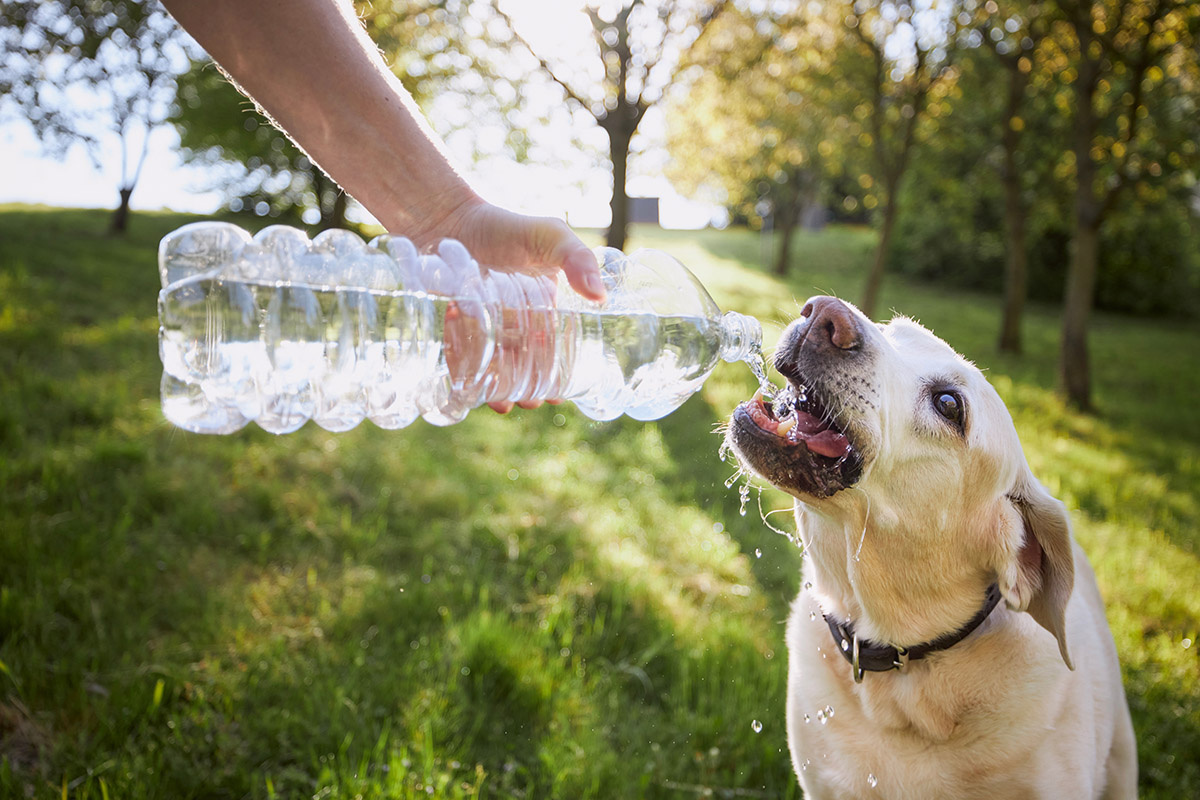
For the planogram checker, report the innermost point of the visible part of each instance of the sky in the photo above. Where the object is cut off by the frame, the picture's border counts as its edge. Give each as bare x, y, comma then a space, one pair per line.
573, 187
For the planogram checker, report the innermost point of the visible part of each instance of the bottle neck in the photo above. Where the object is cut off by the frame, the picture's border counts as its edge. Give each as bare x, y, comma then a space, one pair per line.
741, 336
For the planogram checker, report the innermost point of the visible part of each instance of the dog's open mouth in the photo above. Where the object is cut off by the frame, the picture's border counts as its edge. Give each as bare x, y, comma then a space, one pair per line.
799, 419
795, 442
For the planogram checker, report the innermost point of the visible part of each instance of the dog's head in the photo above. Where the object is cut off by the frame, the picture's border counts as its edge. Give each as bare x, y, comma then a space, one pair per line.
896, 413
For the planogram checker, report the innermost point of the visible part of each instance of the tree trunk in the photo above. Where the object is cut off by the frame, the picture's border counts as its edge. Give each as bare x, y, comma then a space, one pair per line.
1016, 269
1074, 369
875, 278
785, 219
120, 217
1016, 261
337, 211
618, 150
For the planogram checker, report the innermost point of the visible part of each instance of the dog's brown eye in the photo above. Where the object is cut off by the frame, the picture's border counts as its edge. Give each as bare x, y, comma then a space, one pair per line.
949, 406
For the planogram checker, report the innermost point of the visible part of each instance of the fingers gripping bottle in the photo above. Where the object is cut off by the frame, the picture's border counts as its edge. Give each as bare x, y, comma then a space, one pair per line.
278, 330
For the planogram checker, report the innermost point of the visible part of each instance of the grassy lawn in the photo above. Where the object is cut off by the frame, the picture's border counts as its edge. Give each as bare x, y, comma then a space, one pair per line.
528, 606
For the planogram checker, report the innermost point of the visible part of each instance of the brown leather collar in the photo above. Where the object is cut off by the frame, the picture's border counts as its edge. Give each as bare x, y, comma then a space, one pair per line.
874, 657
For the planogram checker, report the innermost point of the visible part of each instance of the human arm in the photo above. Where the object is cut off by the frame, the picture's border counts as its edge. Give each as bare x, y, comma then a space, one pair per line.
312, 68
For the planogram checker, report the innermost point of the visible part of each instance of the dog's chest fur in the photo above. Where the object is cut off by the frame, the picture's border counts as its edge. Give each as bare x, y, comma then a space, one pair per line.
924, 733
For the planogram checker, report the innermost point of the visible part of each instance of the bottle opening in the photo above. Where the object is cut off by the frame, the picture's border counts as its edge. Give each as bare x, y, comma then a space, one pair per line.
741, 337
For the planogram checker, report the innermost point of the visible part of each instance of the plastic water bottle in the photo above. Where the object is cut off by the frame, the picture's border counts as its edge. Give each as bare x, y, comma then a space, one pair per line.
277, 329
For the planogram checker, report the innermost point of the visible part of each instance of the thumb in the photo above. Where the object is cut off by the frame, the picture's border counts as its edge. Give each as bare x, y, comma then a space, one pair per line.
582, 271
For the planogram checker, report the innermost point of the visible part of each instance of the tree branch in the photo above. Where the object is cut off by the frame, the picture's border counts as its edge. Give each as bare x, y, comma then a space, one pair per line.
706, 21
877, 110
566, 87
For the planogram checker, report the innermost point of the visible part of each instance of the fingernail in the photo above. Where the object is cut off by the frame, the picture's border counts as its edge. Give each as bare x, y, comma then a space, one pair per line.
594, 284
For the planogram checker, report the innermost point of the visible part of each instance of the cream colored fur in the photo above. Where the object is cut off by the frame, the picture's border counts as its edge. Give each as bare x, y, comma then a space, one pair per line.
907, 555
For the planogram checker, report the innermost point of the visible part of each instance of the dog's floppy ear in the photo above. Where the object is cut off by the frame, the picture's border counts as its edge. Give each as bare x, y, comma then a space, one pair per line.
1041, 579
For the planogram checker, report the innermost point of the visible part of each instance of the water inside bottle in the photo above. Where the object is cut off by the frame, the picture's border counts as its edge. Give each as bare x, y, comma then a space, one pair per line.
280, 353
641, 364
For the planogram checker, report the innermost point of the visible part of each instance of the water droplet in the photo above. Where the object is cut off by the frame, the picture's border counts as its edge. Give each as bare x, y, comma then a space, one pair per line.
807, 719
845, 645
821, 716
744, 494
756, 726
812, 615
872, 781
732, 480
757, 553
828, 712
807, 585
804, 766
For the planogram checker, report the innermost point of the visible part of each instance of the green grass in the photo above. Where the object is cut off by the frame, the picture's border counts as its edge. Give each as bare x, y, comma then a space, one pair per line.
532, 606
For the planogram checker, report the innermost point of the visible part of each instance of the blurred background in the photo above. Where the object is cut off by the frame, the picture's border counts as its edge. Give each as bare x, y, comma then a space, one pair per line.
540, 605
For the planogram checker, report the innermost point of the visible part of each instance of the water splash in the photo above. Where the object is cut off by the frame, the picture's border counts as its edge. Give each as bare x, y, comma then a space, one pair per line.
758, 365
764, 516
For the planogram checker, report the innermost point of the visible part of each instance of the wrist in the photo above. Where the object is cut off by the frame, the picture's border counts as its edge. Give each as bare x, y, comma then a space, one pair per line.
437, 215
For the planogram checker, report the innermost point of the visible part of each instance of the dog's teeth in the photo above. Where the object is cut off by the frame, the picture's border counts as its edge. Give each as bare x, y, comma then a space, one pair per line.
758, 396
785, 426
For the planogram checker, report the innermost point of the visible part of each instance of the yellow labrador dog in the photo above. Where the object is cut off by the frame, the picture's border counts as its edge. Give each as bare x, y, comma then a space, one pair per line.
950, 641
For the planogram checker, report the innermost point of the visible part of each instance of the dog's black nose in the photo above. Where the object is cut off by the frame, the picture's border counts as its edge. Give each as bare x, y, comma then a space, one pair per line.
828, 330
831, 322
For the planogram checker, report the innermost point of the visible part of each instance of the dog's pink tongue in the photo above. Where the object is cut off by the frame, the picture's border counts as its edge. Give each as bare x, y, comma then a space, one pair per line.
818, 437
828, 443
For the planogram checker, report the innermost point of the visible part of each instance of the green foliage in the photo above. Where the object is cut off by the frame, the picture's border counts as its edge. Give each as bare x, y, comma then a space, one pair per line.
530, 605
253, 161
951, 227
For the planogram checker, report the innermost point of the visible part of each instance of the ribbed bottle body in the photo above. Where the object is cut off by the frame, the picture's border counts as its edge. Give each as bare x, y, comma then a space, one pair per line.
278, 330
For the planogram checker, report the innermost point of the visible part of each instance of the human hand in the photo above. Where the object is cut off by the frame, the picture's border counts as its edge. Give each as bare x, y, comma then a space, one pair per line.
499, 238
503, 239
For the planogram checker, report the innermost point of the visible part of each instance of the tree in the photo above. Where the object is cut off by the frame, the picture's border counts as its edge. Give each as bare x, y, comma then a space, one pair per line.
899, 56
1122, 60
638, 45
122, 55
757, 122
1013, 36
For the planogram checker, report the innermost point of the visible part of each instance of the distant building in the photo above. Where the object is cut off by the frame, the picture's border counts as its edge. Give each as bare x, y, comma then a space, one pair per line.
643, 209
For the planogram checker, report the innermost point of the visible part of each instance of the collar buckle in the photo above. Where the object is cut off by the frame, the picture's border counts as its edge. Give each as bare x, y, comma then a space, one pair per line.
856, 668
901, 660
